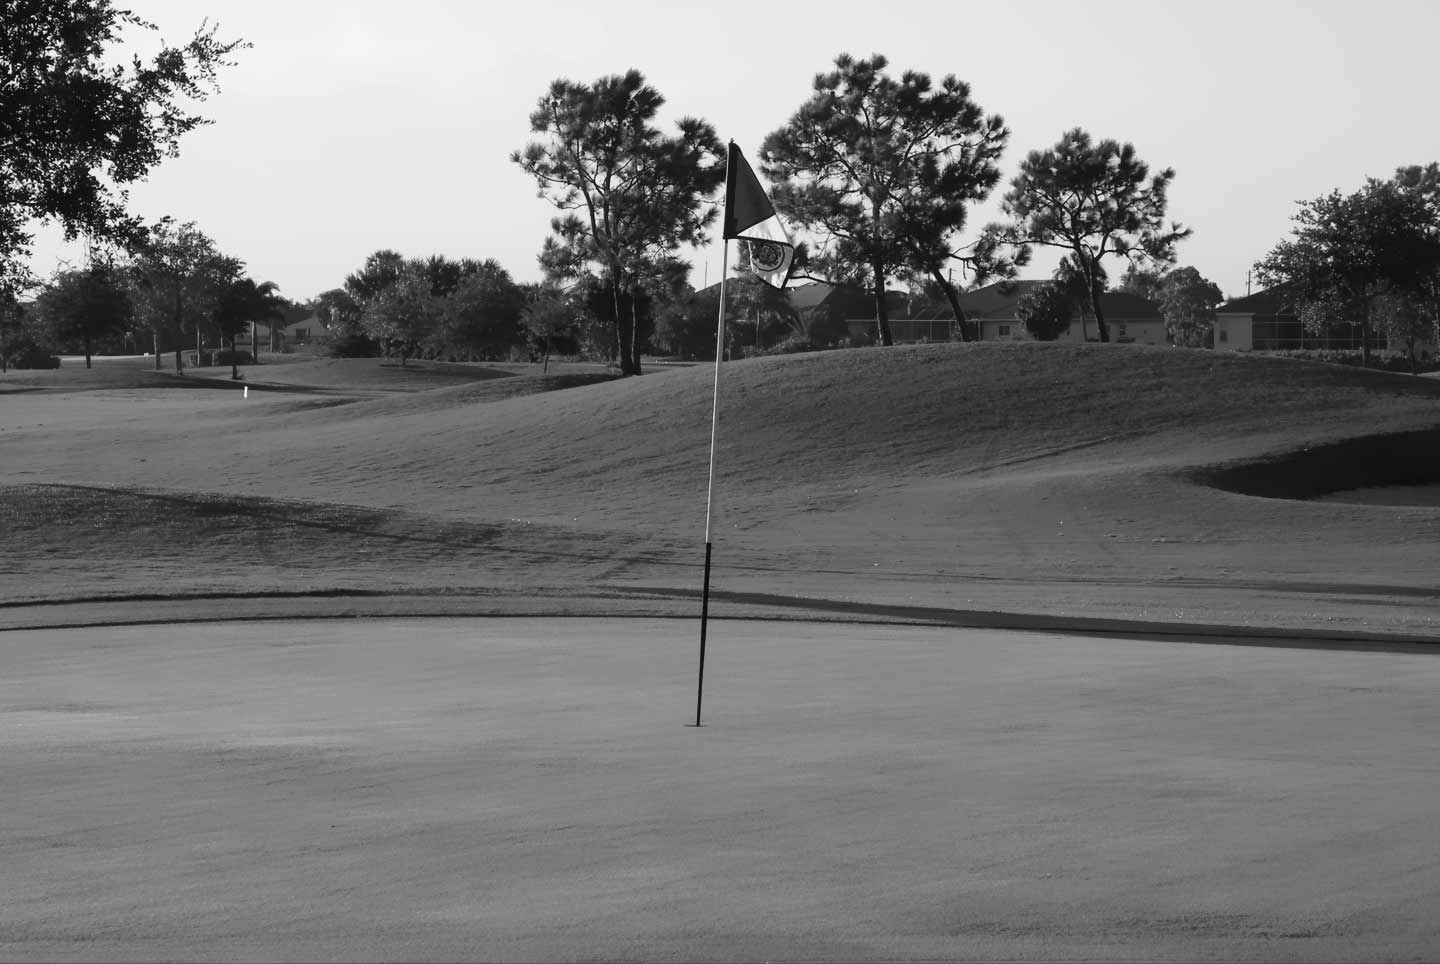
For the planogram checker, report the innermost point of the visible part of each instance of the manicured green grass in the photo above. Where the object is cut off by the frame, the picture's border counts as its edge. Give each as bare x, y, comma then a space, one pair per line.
1048, 479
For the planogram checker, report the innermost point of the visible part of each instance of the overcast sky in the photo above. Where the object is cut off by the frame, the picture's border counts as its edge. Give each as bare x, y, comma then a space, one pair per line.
352, 127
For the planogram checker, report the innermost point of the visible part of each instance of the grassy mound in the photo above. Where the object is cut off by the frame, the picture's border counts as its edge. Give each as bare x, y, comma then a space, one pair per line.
1042, 478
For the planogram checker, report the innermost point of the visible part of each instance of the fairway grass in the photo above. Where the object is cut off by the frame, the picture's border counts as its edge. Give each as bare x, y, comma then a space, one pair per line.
1050, 480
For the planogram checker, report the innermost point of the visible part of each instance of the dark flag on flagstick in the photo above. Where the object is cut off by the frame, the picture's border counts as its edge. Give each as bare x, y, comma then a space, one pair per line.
751, 218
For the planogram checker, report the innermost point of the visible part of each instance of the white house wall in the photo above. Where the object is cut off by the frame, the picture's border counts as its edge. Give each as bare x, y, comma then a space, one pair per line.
1000, 330
1146, 332
1139, 332
1234, 332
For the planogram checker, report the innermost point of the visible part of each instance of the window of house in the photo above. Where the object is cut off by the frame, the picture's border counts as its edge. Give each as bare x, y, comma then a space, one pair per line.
1003, 331
1224, 335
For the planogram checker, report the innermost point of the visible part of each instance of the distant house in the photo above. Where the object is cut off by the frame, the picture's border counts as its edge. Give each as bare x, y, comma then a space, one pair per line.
301, 329
849, 311
911, 319
1130, 318
824, 308
298, 328
820, 307
1268, 321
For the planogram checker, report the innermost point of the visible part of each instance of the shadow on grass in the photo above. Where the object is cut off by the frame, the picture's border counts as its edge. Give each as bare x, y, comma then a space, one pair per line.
452, 602
1402, 458
1150, 630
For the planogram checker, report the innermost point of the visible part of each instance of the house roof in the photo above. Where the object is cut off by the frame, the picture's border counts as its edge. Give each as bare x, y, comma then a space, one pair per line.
998, 300
801, 296
1271, 301
810, 295
849, 299
309, 321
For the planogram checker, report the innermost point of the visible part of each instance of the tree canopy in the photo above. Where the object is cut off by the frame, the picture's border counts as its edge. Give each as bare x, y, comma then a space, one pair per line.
482, 313
629, 196
1187, 303
90, 302
548, 313
432, 307
77, 124
1143, 281
241, 302
884, 169
1047, 311
404, 314
179, 276
1347, 250
380, 271
1092, 200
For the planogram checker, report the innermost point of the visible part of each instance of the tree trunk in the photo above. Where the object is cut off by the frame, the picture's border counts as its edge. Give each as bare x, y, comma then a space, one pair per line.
87, 348
954, 298
624, 334
155, 346
545, 368
179, 338
1365, 336
634, 336
1092, 289
617, 334
882, 310
234, 361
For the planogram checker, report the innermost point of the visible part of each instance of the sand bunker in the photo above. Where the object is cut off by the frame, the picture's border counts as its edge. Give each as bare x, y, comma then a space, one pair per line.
1397, 469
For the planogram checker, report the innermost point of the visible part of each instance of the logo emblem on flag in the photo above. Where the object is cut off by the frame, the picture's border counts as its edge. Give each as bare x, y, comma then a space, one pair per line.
750, 217
766, 257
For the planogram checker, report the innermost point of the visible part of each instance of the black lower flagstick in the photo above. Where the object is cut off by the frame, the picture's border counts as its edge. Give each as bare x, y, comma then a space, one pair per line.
710, 487
704, 616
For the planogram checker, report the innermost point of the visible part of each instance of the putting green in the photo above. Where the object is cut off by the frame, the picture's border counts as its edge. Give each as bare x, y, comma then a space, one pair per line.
528, 789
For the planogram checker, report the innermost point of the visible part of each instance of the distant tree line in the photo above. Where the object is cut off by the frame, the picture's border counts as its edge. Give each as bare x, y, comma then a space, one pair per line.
879, 174
432, 307
172, 290
876, 173
1371, 258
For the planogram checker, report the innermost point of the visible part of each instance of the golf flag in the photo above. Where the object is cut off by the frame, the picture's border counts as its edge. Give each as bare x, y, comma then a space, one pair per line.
750, 217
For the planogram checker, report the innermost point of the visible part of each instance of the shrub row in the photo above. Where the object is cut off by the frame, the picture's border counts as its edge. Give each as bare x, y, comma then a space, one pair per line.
27, 354
1388, 361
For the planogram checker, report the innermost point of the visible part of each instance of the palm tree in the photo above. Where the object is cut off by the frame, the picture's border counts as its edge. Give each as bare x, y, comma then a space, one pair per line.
243, 303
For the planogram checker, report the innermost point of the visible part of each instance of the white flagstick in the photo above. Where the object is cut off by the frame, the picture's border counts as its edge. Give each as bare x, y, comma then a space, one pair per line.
710, 487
